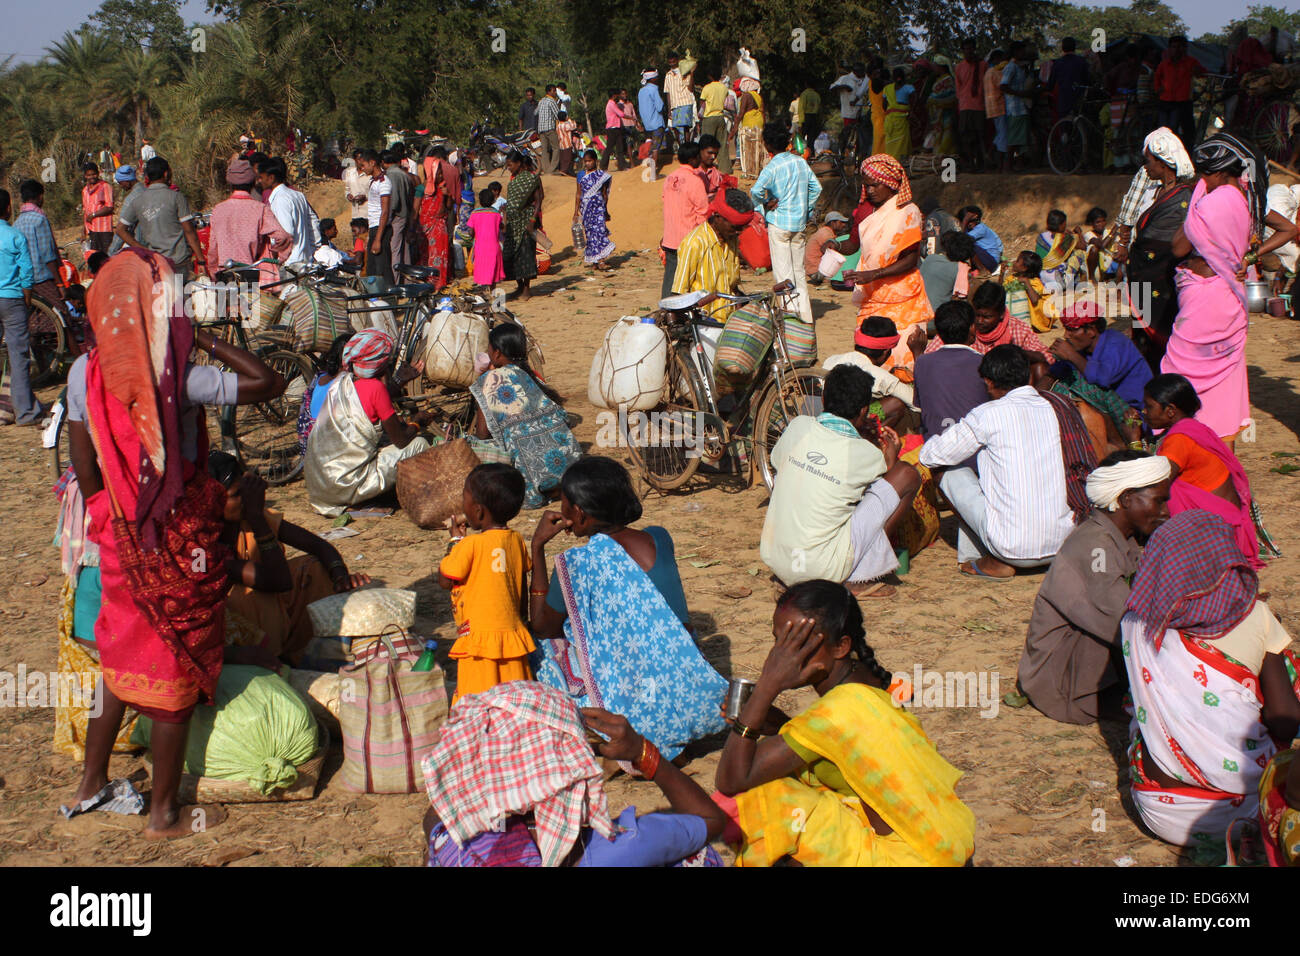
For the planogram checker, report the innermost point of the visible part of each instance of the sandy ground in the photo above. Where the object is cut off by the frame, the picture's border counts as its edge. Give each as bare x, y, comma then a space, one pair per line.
1043, 793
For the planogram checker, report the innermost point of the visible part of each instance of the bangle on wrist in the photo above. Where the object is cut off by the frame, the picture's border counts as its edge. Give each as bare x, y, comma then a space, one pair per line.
648, 763
741, 730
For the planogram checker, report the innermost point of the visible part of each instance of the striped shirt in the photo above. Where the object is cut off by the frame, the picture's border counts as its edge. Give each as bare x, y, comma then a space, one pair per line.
31, 222
790, 181
707, 264
1021, 474
97, 197
679, 92
548, 114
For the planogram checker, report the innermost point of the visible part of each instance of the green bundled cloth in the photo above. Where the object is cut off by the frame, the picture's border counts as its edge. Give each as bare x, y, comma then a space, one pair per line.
259, 731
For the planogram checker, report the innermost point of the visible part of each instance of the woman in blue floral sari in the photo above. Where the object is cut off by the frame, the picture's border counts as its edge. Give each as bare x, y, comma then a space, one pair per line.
612, 623
591, 208
519, 420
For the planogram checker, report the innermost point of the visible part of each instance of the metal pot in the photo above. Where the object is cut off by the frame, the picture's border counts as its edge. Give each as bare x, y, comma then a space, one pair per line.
1257, 295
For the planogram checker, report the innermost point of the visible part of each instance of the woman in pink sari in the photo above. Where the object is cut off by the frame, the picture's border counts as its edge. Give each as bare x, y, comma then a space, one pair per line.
1208, 343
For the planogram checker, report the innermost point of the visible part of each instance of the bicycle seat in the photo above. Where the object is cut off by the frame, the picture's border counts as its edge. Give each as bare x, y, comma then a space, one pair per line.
419, 272
683, 301
411, 290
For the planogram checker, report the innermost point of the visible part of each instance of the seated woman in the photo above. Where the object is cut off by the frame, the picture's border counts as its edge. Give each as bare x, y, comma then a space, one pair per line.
535, 796
853, 780
1279, 808
612, 623
519, 420
345, 462
314, 398
1071, 655
1208, 474
1208, 668
266, 608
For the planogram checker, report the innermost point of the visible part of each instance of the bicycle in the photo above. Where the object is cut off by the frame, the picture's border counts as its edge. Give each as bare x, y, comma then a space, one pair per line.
1078, 139
843, 195
687, 427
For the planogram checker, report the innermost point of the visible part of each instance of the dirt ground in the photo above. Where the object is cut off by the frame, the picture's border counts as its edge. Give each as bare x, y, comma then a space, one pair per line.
1043, 793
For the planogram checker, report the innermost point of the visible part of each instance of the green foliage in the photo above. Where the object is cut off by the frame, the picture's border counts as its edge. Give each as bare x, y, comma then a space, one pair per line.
155, 24
1142, 16
1259, 18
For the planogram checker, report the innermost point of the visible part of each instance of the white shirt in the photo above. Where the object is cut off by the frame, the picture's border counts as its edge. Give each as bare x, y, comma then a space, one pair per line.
1285, 201
379, 188
147, 153
356, 183
294, 213
885, 382
1020, 469
851, 99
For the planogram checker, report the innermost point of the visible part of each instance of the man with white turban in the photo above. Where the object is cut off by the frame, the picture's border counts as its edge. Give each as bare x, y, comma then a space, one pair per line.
1071, 655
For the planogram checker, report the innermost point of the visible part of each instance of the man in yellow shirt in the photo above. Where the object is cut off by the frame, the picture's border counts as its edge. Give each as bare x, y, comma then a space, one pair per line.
713, 119
707, 260
810, 113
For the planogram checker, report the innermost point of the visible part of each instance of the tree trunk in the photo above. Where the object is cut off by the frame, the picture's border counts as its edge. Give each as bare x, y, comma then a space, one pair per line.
139, 128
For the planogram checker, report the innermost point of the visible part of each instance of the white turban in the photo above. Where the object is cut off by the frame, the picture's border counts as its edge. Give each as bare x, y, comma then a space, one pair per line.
1168, 148
1105, 485
649, 75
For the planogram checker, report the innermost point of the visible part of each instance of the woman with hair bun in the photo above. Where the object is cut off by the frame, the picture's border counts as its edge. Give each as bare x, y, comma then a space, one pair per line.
612, 622
853, 780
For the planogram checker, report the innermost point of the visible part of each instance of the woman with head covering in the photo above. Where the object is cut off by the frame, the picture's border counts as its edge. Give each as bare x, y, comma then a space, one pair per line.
941, 105
139, 446
613, 623
1155, 206
1210, 669
888, 275
1224, 217
513, 781
523, 205
749, 130
345, 462
1071, 654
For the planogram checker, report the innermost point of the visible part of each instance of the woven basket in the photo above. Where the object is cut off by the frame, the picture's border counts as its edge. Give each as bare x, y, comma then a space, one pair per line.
429, 485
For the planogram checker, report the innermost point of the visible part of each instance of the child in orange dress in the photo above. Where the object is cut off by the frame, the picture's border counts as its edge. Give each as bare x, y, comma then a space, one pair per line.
486, 575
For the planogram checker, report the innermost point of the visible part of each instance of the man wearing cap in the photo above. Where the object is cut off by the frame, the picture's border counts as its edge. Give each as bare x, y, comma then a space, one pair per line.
707, 259
1071, 655
650, 107
126, 181
1104, 357
834, 227
686, 205
244, 229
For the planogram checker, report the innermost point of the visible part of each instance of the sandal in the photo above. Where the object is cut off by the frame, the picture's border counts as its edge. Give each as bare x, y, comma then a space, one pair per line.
872, 589
973, 569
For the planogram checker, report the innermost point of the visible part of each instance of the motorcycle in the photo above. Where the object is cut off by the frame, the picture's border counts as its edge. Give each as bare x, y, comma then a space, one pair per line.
491, 146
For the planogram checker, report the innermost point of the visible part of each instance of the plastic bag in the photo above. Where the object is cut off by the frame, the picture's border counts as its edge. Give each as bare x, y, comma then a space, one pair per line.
259, 731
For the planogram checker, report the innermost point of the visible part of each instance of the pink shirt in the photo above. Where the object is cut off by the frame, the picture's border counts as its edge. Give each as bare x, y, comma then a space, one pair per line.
245, 230
686, 203
96, 197
970, 85
613, 115
629, 114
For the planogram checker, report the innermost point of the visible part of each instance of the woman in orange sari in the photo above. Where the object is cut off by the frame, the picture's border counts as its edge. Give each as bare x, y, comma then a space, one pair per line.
888, 276
138, 441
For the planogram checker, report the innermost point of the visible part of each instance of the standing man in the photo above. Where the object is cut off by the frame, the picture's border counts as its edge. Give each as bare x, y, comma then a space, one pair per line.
1015, 87
1173, 89
614, 132
686, 205
995, 106
810, 111
787, 190
969, 76
244, 229
562, 94
713, 100
379, 260
567, 132
291, 211
401, 209
852, 88
681, 100
548, 115
528, 110
129, 185
15, 295
96, 209
1069, 77
147, 152
356, 185
650, 104
159, 218
42, 248
631, 142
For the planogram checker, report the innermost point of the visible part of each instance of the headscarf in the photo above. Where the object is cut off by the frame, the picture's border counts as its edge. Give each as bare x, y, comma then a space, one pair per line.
875, 342
1079, 314
649, 75
518, 747
125, 174
747, 84
1106, 484
1168, 148
720, 207
367, 351
1000, 334
883, 168
1193, 579
1220, 152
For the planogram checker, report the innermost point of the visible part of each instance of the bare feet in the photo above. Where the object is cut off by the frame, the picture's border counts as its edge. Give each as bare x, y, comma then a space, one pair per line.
987, 568
89, 787
184, 821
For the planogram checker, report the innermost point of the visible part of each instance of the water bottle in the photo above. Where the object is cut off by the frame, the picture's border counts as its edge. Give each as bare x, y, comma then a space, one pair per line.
425, 663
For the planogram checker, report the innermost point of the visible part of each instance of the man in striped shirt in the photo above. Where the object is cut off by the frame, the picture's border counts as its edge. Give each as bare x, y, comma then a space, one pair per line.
548, 117
1014, 514
681, 99
788, 191
96, 208
707, 260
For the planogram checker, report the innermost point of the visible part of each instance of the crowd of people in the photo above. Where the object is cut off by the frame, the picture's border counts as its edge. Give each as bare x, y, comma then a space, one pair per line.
1106, 461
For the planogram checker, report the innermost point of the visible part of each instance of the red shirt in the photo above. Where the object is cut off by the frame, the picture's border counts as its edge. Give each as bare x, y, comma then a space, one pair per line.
375, 400
686, 204
1173, 81
95, 197
970, 84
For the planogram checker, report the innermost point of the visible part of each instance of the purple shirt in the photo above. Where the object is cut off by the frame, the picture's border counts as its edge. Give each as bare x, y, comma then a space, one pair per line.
1115, 363
1069, 77
947, 385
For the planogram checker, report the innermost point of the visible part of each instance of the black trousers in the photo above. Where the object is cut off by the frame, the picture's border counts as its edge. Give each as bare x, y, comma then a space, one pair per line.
614, 145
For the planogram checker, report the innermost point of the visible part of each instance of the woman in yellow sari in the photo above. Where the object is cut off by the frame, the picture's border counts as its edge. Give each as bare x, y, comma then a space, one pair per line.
853, 780
888, 276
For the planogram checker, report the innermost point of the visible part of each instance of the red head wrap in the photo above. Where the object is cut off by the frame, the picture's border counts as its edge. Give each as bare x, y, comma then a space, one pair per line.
719, 207
885, 169
1080, 314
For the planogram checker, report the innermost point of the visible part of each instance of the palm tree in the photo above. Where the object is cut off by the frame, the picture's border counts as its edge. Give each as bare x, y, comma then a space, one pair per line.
130, 85
81, 57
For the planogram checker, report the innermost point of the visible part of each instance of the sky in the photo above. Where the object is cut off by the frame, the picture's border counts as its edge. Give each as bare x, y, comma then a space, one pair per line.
26, 37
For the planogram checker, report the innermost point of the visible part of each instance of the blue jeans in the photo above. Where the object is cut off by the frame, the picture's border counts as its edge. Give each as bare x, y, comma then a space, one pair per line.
961, 486
27, 410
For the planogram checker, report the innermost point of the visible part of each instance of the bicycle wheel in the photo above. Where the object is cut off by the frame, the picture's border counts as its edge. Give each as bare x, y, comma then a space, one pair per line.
1067, 146
49, 350
1271, 131
662, 442
800, 394
266, 433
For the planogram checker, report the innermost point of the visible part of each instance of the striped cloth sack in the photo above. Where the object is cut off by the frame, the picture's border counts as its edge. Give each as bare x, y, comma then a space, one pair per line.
317, 319
741, 346
800, 340
390, 716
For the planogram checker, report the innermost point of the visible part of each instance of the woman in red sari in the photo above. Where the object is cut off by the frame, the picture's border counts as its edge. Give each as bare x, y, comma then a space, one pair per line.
139, 449
441, 188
